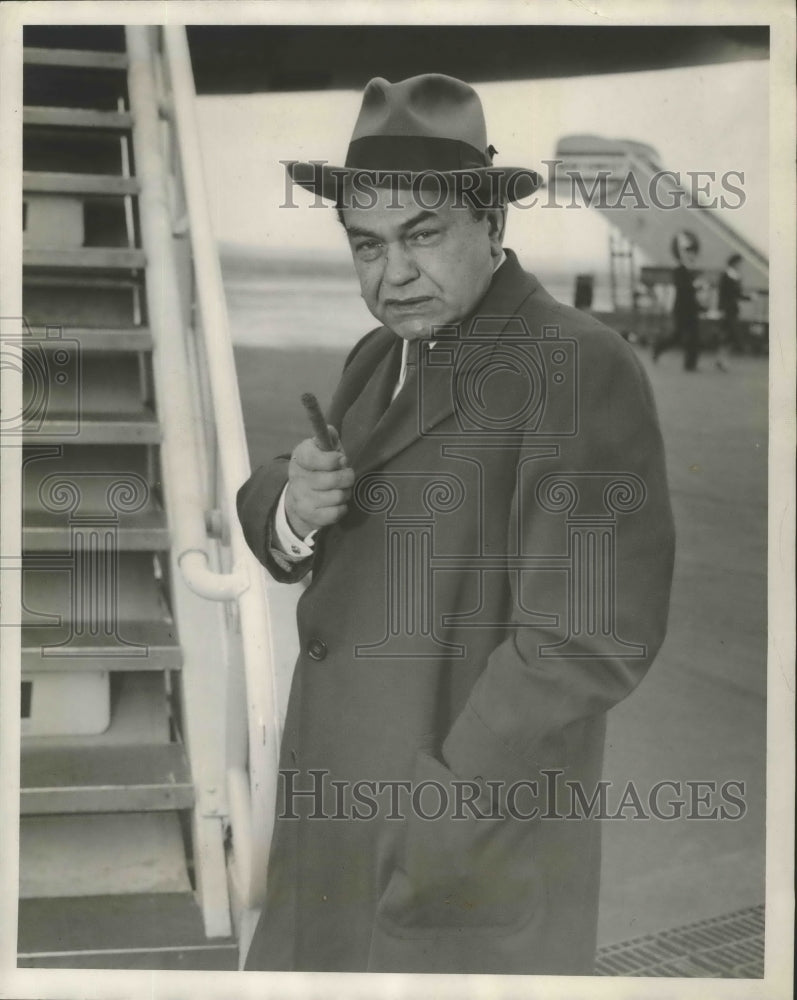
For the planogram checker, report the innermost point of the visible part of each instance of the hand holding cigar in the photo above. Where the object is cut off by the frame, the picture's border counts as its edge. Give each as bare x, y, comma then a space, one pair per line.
319, 476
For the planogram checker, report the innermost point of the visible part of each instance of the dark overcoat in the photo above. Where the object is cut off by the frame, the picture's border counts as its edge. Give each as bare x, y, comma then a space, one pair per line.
500, 580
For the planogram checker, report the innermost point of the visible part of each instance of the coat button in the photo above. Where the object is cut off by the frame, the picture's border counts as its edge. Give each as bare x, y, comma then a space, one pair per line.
316, 649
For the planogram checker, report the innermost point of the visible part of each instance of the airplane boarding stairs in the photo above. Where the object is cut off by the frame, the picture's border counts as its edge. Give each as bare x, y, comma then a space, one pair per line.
650, 206
145, 796
648, 209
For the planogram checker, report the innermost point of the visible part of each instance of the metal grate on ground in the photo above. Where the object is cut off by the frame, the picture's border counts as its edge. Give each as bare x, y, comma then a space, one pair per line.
728, 947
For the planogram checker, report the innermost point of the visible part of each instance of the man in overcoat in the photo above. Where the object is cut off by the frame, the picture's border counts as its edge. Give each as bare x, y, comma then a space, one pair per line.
491, 545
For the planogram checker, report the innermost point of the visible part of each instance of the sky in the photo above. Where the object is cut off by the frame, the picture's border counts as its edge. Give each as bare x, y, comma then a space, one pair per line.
698, 118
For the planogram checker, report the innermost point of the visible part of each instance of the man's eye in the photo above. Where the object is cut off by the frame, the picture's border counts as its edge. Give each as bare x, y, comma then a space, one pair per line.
424, 236
369, 249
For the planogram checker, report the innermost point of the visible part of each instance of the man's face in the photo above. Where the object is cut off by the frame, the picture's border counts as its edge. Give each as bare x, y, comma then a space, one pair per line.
420, 268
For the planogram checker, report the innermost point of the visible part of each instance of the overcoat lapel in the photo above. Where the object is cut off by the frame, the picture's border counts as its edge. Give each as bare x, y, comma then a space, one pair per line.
406, 418
365, 390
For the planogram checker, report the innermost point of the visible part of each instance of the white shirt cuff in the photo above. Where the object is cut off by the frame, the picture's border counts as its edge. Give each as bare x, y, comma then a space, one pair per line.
295, 548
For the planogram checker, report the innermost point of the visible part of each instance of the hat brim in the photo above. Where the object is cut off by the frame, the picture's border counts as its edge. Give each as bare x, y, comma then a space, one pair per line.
485, 186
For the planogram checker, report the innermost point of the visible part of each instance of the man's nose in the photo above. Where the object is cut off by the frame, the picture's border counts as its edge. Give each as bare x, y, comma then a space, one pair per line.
399, 265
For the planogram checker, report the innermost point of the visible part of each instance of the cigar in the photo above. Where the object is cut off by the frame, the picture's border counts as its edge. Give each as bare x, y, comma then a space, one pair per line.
320, 429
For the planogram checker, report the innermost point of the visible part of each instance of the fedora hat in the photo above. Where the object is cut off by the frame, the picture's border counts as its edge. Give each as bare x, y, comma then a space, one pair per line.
428, 127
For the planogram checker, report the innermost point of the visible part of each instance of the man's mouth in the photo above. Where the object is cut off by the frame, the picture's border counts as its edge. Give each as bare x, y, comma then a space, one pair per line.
408, 305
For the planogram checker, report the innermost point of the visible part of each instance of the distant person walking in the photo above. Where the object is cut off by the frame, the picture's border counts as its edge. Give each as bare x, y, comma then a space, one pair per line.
686, 308
730, 295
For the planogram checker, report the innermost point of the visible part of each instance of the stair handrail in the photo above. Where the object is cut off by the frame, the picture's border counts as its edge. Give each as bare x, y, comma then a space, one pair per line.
251, 781
251, 784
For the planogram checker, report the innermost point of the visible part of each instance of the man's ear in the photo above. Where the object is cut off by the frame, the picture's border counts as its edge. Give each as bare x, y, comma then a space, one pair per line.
496, 226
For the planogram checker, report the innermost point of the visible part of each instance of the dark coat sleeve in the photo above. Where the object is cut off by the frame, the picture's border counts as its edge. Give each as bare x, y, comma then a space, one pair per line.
516, 718
257, 503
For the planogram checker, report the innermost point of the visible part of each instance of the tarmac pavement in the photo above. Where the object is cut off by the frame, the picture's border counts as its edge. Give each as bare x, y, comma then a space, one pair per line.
700, 713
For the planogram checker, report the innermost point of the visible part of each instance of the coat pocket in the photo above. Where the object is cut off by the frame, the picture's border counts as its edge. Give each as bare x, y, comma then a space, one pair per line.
463, 870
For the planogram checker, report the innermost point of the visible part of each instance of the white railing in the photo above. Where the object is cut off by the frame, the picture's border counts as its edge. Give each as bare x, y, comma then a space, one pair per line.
252, 767
251, 783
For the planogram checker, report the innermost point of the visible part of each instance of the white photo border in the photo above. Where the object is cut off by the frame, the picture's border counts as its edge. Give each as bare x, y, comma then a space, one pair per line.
780, 16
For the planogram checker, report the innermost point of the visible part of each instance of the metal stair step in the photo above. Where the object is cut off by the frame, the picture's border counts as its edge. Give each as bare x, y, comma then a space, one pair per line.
146, 931
66, 384
152, 645
81, 118
103, 483
134, 778
95, 258
98, 428
43, 531
85, 59
72, 399
139, 716
123, 338
78, 279
104, 465
86, 151
48, 583
82, 301
113, 853
48, 182
97, 37
98, 489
